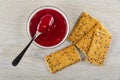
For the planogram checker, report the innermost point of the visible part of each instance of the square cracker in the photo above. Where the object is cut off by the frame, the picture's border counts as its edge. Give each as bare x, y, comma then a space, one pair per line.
62, 58
99, 47
83, 26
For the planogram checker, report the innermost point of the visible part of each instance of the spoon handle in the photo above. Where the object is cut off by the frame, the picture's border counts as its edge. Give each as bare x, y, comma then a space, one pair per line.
19, 57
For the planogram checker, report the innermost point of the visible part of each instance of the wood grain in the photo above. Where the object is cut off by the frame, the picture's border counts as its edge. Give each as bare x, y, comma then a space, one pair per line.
13, 38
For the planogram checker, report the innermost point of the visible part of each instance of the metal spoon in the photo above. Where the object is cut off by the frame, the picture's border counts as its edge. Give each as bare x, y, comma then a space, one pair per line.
45, 22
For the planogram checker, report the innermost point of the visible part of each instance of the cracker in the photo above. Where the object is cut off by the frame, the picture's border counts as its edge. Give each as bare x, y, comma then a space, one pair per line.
99, 47
83, 26
62, 58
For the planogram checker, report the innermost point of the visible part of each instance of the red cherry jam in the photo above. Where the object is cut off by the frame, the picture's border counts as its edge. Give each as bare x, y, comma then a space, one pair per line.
52, 35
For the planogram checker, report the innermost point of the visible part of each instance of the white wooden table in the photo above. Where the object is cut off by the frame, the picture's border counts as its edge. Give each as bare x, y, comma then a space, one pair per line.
13, 38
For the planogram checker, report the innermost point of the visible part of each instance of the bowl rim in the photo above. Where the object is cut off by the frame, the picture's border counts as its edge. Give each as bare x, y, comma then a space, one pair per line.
48, 7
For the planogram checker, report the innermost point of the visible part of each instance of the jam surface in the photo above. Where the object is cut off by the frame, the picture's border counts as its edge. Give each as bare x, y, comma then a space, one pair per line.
53, 34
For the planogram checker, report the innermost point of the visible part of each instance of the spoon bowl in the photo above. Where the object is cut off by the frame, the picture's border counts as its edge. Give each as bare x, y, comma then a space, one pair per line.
45, 22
